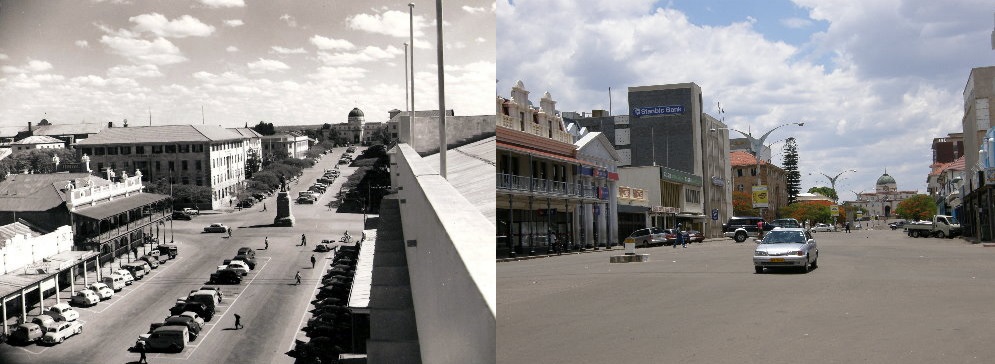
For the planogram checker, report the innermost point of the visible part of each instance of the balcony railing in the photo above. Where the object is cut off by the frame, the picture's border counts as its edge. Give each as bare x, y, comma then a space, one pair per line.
544, 186
538, 129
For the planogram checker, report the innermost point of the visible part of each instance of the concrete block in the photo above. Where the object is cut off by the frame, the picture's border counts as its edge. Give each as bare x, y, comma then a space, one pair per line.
630, 258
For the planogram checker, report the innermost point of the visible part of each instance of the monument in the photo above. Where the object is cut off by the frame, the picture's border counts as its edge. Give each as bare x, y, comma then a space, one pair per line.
284, 217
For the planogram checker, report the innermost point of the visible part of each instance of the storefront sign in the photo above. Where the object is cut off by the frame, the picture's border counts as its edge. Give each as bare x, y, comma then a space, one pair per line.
658, 110
834, 210
624, 193
760, 197
638, 194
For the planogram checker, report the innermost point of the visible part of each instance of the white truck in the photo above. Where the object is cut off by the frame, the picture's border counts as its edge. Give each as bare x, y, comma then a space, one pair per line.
942, 226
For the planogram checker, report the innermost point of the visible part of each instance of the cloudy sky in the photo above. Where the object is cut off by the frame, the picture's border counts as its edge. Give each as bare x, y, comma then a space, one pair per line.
286, 62
874, 81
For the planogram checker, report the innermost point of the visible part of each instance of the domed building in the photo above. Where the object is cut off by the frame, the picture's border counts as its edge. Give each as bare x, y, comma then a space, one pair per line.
885, 198
351, 131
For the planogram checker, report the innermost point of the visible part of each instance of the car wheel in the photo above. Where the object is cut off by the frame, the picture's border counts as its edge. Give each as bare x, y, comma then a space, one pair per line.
914, 233
176, 348
940, 234
758, 269
61, 339
79, 330
740, 237
815, 263
646, 243
805, 268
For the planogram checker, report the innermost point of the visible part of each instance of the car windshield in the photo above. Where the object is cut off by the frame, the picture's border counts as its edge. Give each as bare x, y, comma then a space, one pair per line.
782, 237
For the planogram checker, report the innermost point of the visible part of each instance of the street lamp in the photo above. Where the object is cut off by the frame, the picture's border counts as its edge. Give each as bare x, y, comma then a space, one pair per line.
756, 144
832, 180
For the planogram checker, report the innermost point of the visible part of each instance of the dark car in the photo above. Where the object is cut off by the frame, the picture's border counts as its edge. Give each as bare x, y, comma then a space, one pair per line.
671, 235
740, 228
179, 215
248, 259
226, 276
898, 225
321, 248
201, 309
184, 321
168, 250
695, 236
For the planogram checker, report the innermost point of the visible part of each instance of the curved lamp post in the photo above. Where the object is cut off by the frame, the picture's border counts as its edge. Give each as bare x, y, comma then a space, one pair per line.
757, 144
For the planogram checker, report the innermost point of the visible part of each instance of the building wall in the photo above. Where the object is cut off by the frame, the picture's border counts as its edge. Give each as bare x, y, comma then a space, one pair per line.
979, 101
22, 147
424, 136
22, 251
668, 140
771, 176
717, 175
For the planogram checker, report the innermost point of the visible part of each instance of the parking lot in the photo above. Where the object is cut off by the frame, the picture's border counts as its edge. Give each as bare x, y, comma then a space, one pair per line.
271, 305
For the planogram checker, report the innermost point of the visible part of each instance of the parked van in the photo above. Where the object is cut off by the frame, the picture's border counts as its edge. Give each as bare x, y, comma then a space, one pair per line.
169, 250
115, 282
172, 338
209, 299
136, 270
27, 333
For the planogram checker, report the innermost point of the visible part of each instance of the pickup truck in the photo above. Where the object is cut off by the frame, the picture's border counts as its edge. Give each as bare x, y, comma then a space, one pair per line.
942, 226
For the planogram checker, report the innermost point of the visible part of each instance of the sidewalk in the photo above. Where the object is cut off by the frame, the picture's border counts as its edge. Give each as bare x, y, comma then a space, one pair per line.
616, 248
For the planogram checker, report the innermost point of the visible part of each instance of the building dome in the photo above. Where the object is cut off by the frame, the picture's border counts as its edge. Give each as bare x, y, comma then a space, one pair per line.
885, 179
355, 113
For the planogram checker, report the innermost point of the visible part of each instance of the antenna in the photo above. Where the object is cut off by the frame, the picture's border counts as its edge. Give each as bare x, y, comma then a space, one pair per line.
202, 122
609, 100
150, 116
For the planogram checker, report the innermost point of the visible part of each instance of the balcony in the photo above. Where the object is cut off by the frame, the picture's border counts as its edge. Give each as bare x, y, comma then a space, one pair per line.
539, 186
537, 129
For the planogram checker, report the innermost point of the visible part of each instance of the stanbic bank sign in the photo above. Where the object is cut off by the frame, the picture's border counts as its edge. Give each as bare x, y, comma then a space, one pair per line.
658, 110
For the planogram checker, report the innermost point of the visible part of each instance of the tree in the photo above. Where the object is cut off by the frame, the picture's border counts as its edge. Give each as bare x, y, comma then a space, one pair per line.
265, 128
813, 211
918, 207
383, 135
36, 161
825, 191
791, 174
742, 203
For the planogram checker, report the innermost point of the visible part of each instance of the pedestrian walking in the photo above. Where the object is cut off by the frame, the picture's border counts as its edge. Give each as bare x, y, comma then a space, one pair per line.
683, 238
266, 246
141, 351
238, 322
264, 206
229, 231
313, 261
303, 240
847, 227
134, 250
298, 278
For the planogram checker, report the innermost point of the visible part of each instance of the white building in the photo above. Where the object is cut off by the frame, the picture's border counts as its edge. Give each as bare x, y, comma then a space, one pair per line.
36, 142
885, 199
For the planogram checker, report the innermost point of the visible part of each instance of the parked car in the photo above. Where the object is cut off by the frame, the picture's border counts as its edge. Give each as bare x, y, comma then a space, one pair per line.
249, 261
786, 247
786, 223
62, 312
305, 200
216, 228
695, 236
136, 270
191, 211
194, 316
740, 228
43, 321
221, 294
150, 260
171, 338
226, 276
168, 250
27, 333
647, 236
128, 278
179, 215
214, 295
246, 251
102, 290
236, 265
85, 298
116, 282
201, 309
157, 254
898, 224
179, 320
822, 227
671, 235
322, 247
61, 331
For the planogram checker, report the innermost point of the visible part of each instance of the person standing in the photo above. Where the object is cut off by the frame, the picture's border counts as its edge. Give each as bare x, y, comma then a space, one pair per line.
847, 227
238, 322
229, 231
141, 351
303, 240
264, 206
298, 278
266, 246
313, 261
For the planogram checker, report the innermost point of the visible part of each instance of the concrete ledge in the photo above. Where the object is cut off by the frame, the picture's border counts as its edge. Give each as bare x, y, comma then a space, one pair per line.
630, 258
988, 245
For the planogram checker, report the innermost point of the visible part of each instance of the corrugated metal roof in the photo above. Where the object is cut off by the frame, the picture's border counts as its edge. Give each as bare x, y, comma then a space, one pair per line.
10, 230
247, 132
162, 134
39, 192
37, 139
470, 169
68, 129
119, 205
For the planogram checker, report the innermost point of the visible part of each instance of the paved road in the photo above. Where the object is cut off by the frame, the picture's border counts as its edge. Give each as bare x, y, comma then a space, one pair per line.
878, 296
272, 309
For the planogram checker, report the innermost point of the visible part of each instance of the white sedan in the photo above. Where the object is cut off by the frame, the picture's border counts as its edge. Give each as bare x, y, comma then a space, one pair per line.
62, 330
822, 227
101, 290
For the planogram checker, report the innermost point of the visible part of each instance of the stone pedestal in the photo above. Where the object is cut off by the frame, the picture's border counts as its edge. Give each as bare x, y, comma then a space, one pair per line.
284, 217
630, 258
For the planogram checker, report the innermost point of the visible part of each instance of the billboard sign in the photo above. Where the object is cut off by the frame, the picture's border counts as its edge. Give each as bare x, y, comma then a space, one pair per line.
658, 110
760, 197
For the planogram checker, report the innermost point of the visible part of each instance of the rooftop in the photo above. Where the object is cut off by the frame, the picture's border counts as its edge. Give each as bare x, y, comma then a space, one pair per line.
68, 129
162, 134
37, 139
40, 192
465, 165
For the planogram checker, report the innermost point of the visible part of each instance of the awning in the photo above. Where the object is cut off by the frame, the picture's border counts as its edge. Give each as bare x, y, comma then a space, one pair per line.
119, 205
541, 154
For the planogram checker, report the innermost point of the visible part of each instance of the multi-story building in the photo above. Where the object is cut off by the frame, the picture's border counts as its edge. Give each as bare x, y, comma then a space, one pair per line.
202, 155
352, 131
666, 127
979, 196
36, 142
253, 149
885, 198
543, 188
747, 172
295, 145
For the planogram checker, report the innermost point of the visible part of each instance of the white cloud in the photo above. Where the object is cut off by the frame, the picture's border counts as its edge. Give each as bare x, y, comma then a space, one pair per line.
223, 3
331, 43
287, 18
3, 56
231, 49
796, 23
125, 71
368, 54
267, 65
158, 51
282, 50
339, 73
33, 66
455, 45
82, 44
393, 23
158, 24
234, 23
473, 10
480, 40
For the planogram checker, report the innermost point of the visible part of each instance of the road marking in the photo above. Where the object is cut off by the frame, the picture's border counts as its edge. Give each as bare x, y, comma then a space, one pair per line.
38, 343
203, 335
134, 286
314, 293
